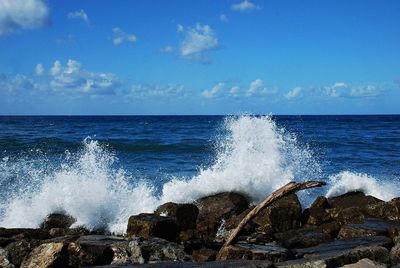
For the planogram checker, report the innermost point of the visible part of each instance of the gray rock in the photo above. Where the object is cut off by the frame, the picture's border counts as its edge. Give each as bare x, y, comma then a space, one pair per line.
213, 264
371, 227
302, 263
304, 237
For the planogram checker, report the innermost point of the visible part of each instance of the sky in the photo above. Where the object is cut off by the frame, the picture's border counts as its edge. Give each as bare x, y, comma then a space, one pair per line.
122, 57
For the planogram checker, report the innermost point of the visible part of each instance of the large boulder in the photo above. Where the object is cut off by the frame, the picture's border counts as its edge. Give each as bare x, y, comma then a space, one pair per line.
282, 215
185, 215
138, 251
18, 250
371, 227
365, 263
385, 210
268, 251
301, 238
353, 199
395, 252
48, 255
57, 220
221, 206
4, 261
151, 225
204, 254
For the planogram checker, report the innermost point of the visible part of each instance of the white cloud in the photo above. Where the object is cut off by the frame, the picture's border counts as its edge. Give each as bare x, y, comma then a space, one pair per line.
214, 91
158, 91
167, 49
180, 28
18, 83
79, 14
246, 5
223, 18
120, 36
258, 88
293, 93
76, 79
39, 69
234, 91
341, 89
197, 41
22, 14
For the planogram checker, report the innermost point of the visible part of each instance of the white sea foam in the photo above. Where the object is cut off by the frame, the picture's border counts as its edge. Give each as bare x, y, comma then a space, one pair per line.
253, 157
347, 181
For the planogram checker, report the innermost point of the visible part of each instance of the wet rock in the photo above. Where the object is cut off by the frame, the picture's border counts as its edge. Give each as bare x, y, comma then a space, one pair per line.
385, 210
234, 221
269, 251
302, 263
47, 255
221, 206
138, 251
204, 254
151, 225
4, 262
353, 199
321, 202
57, 220
282, 215
18, 250
301, 238
371, 227
93, 249
185, 215
14, 234
213, 264
316, 216
207, 229
332, 228
365, 263
350, 215
395, 252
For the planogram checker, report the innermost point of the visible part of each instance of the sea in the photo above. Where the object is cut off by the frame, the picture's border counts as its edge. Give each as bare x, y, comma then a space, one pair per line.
102, 169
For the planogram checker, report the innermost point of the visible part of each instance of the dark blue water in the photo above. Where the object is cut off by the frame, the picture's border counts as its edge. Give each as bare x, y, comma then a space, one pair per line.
157, 149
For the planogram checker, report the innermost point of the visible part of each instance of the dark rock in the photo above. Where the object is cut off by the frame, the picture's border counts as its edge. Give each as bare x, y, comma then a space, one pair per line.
57, 220
151, 225
52, 255
213, 264
204, 254
321, 202
302, 263
269, 251
385, 210
353, 199
282, 215
20, 233
138, 250
301, 238
395, 252
186, 235
316, 216
234, 221
332, 228
18, 250
350, 215
221, 206
4, 261
207, 229
185, 215
371, 227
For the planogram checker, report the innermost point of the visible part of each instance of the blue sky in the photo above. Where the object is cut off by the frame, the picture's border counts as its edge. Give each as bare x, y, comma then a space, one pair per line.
199, 57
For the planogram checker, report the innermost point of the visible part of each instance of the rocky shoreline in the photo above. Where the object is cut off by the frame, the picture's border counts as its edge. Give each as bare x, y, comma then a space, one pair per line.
351, 230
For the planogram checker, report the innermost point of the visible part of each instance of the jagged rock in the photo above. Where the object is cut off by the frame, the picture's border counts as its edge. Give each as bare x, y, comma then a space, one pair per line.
4, 261
316, 216
300, 238
234, 221
221, 206
395, 252
350, 215
57, 220
321, 202
213, 264
365, 263
207, 229
385, 210
137, 250
18, 250
151, 225
93, 249
204, 254
353, 199
332, 228
269, 251
14, 234
52, 255
282, 215
185, 215
371, 227
302, 263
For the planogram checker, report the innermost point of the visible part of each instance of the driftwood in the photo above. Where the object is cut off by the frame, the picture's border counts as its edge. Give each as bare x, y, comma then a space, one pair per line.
289, 188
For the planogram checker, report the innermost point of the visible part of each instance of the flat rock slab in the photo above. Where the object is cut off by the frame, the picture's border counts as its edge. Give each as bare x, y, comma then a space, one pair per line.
269, 251
213, 264
304, 237
365, 263
371, 227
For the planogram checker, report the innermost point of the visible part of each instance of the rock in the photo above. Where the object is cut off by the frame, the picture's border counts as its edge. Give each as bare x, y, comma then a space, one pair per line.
94, 249
371, 227
301, 238
213, 264
185, 215
332, 228
19, 233
47, 255
18, 250
269, 251
385, 210
350, 215
207, 229
365, 263
302, 263
282, 215
234, 221
137, 250
57, 220
221, 206
204, 254
151, 225
353, 199
4, 262
320, 202
316, 216
395, 252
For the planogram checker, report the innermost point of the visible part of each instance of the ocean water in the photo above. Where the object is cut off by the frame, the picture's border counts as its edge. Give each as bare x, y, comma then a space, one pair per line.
101, 170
